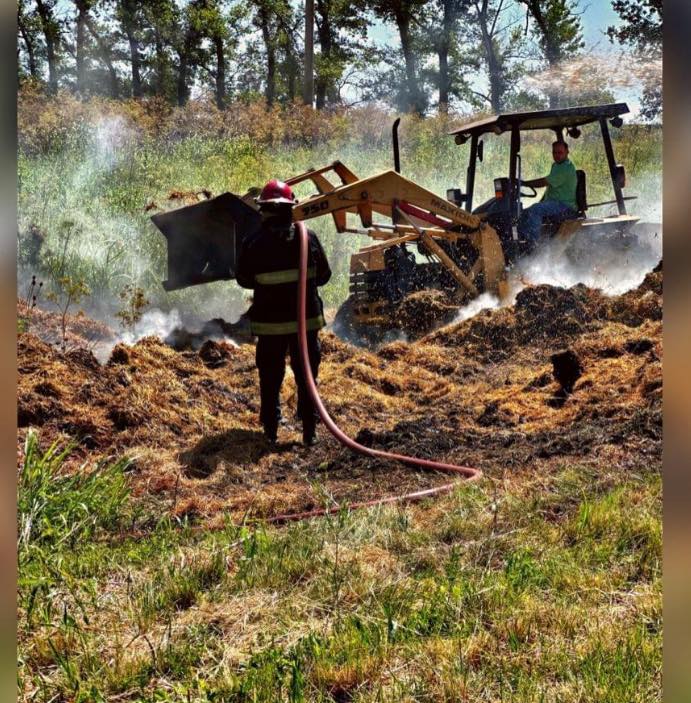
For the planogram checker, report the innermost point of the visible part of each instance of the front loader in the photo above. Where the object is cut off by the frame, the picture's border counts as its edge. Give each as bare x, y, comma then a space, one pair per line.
464, 253
420, 240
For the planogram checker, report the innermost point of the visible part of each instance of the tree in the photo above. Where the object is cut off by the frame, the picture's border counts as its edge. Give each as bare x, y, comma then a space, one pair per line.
445, 35
499, 40
187, 45
265, 12
51, 32
161, 25
274, 19
80, 45
641, 29
213, 26
287, 42
28, 31
559, 34
406, 14
338, 21
449, 10
130, 16
104, 45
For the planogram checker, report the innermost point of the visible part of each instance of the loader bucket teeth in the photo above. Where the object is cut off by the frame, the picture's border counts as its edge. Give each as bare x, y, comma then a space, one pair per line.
204, 240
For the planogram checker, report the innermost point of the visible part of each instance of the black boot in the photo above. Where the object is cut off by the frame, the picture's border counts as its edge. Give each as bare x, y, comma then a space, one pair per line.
309, 435
271, 434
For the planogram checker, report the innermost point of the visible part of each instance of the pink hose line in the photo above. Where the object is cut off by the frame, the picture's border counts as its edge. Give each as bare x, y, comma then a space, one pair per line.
465, 473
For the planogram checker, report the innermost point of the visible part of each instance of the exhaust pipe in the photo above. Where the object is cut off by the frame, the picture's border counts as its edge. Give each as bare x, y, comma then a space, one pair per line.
396, 152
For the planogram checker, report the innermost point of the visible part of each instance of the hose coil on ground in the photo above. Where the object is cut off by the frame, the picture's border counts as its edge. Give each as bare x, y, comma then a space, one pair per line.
465, 473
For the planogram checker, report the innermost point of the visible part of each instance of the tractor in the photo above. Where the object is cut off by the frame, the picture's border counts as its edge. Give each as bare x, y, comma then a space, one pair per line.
461, 250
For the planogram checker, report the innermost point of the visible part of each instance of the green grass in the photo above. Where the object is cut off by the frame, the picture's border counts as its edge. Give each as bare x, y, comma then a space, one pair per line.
534, 591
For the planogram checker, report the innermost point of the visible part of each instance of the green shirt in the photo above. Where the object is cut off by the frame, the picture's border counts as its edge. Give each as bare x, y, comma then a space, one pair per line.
561, 184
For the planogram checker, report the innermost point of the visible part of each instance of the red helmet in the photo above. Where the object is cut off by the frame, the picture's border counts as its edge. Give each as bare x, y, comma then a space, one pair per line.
276, 191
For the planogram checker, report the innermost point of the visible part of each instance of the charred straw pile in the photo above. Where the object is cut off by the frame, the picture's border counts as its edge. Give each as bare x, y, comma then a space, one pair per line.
563, 375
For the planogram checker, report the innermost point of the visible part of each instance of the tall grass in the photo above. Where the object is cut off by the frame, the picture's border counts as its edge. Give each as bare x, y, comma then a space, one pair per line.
86, 172
57, 511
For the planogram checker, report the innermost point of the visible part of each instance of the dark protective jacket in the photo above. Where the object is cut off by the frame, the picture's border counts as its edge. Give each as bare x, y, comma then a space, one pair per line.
268, 264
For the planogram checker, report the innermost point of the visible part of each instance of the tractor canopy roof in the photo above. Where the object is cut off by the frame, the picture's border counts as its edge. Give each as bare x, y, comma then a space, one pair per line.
540, 119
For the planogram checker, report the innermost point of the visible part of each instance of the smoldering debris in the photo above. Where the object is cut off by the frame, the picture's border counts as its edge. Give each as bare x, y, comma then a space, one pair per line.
181, 338
480, 392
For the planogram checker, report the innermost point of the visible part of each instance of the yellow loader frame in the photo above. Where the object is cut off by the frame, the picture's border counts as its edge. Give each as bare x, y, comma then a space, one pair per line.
416, 214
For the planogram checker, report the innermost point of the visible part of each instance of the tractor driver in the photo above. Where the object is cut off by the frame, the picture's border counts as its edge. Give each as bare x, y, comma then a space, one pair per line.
268, 263
559, 201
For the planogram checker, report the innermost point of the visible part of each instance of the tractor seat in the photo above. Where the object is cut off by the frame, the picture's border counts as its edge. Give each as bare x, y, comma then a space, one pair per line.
551, 224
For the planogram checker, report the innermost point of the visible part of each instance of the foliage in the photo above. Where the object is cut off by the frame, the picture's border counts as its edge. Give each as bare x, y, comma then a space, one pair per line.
471, 54
558, 31
641, 29
55, 510
483, 594
69, 291
89, 199
134, 301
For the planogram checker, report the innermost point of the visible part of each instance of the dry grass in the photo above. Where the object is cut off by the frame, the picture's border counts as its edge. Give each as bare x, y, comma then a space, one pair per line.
193, 430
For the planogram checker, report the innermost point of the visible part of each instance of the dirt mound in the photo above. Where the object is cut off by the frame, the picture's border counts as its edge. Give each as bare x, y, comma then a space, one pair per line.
549, 315
479, 392
80, 330
422, 311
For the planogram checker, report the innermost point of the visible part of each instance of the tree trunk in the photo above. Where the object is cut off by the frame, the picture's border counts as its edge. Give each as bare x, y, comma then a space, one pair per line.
50, 32
104, 52
129, 23
183, 88
270, 92
443, 53
412, 90
29, 44
494, 68
308, 85
135, 62
220, 72
79, 46
326, 44
160, 62
182, 76
292, 70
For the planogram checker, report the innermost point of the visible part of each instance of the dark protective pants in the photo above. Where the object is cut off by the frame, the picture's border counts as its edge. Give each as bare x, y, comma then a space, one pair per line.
271, 364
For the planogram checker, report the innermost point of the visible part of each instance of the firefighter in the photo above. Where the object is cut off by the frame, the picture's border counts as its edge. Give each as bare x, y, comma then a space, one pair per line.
268, 264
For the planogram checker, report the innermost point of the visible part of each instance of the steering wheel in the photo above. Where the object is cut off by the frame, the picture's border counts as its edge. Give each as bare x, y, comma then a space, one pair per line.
527, 195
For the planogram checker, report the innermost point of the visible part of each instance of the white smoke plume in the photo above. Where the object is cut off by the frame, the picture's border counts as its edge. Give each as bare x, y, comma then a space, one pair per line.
597, 71
604, 264
154, 323
485, 301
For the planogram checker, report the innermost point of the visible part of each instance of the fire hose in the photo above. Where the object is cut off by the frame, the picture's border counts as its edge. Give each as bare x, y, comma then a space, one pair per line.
465, 473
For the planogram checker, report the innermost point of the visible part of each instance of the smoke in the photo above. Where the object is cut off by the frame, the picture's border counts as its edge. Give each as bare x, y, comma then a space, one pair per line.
593, 73
485, 301
154, 323
612, 264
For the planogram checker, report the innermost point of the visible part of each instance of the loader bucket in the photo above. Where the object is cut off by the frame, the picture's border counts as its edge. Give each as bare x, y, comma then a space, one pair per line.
204, 240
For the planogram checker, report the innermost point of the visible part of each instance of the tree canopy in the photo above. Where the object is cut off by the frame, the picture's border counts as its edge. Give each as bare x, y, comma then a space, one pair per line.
414, 55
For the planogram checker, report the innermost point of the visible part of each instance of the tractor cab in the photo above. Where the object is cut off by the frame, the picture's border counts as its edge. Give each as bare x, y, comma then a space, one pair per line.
503, 210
